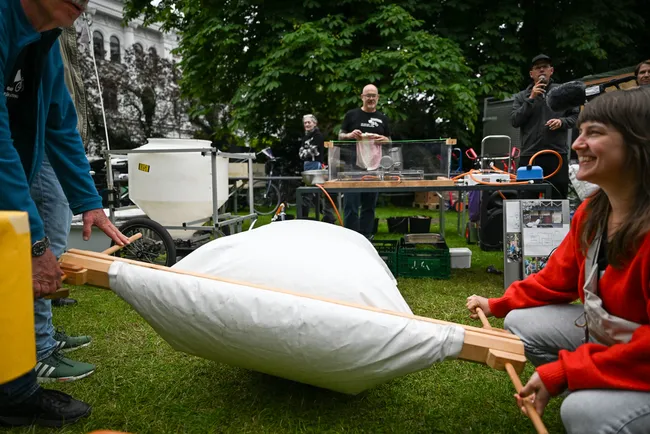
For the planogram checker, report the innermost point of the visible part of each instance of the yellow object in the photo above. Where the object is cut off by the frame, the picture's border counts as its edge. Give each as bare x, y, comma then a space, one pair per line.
16, 297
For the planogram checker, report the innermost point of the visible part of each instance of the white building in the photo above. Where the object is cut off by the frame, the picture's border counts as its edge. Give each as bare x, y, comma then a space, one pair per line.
111, 39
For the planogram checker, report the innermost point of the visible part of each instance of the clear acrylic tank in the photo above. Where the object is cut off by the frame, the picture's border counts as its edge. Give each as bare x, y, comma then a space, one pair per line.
404, 160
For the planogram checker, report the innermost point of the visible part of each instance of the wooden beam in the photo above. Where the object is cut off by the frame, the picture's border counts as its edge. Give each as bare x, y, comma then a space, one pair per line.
73, 274
60, 293
499, 359
477, 344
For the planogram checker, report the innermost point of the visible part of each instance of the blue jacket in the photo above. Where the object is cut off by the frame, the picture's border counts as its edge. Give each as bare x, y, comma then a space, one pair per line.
56, 128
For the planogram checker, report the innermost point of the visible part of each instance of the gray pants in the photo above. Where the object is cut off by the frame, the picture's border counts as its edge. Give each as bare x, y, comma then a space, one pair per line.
548, 329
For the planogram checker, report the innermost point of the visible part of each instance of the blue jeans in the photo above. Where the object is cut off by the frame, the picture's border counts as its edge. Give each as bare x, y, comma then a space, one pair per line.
311, 165
19, 389
56, 215
365, 222
546, 330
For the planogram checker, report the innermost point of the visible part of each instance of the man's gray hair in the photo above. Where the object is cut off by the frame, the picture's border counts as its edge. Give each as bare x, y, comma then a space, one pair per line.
312, 117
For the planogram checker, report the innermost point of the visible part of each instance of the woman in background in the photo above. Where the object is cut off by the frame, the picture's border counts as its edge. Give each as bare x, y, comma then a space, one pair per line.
597, 351
312, 152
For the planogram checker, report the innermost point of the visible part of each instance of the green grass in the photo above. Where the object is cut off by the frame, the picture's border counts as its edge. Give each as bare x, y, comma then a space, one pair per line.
143, 386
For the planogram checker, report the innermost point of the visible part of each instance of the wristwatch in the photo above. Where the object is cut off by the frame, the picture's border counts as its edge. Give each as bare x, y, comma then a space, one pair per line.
40, 247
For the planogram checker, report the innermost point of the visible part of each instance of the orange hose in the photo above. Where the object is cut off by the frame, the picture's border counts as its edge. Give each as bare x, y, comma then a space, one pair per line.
496, 169
548, 151
336, 210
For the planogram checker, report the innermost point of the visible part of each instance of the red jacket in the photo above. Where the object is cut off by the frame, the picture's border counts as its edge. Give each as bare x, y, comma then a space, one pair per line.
625, 293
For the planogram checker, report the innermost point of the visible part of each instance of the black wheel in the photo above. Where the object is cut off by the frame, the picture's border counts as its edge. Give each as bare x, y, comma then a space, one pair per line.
266, 203
156, 245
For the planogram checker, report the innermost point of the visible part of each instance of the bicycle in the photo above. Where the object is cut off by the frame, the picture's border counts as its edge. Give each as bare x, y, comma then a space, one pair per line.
269, 194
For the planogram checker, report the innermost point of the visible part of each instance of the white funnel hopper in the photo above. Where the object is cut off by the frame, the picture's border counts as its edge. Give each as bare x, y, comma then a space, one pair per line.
173, 188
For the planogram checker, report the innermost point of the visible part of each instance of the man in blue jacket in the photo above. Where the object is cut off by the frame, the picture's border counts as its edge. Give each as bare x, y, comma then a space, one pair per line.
38, 122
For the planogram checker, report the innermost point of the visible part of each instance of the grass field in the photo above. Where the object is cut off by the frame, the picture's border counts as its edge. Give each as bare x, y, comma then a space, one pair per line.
141, 385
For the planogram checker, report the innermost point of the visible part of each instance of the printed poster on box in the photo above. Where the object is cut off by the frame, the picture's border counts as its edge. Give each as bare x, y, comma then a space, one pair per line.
532, 230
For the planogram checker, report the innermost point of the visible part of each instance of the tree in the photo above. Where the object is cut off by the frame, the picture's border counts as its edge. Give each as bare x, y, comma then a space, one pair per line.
141, 99
272, 62
499, 38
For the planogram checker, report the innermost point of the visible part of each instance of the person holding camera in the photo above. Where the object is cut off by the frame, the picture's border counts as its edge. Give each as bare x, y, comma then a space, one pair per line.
541, 128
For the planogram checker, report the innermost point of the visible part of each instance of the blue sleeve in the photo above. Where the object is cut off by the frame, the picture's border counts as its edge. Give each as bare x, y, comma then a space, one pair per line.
63, 143
14, 187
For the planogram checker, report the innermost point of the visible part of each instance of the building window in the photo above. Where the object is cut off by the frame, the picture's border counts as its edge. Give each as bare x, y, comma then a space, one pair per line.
115, 50
109, 95
137, 48
98, 45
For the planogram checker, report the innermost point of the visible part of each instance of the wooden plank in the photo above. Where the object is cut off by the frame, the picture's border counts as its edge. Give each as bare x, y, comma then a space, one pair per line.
476, 345
73, 274
498, 359
389, 184
117, 247
100, 263
96, 270
60, 293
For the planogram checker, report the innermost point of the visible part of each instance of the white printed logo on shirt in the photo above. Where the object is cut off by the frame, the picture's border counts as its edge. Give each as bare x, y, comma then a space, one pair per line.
13, 91
372, 123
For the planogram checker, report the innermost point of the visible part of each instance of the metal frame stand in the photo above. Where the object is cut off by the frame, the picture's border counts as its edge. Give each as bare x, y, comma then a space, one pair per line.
218, 220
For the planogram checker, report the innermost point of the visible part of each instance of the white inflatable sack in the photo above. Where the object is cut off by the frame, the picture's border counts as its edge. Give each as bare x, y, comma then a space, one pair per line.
305, 330
303, 256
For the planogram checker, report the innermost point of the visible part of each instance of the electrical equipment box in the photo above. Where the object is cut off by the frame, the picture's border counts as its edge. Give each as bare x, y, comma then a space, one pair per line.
478, 178
530, 173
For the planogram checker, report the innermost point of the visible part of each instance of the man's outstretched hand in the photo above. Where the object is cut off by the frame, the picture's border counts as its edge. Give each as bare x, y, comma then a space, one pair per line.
96, 217
46, 274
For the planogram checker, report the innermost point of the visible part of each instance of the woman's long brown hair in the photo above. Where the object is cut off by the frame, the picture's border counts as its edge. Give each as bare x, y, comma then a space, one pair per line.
629, 113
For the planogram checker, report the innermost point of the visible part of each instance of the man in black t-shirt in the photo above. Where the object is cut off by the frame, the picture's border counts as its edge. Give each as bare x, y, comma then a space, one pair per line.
370, 128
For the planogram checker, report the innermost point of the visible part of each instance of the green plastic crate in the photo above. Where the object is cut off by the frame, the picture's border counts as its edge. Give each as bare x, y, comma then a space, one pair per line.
387, 250
424, 260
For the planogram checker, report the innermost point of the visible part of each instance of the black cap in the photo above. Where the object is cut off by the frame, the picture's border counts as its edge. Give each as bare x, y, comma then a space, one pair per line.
540, 57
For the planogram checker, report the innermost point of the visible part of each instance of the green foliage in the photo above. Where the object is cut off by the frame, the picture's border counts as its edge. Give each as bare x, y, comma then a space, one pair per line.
273, 62
270, 62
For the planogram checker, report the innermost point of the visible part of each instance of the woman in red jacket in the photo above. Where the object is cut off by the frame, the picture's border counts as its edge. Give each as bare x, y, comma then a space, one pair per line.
598, 351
